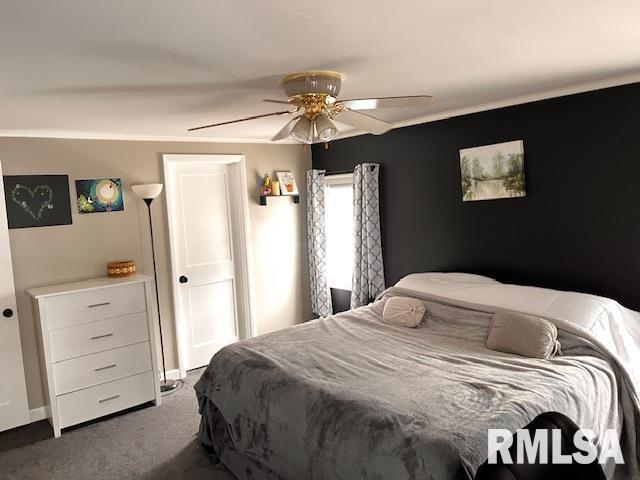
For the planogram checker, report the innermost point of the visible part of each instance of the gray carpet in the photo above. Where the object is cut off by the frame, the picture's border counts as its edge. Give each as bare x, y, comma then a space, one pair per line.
146, 443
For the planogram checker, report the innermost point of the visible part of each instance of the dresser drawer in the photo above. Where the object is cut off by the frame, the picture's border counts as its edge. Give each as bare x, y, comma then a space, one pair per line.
93, 402
71, 342
83, 372
91, 305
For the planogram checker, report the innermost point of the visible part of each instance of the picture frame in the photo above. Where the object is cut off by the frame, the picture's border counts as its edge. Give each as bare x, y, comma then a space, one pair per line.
493, 171
287, 182
37, 200
99, 195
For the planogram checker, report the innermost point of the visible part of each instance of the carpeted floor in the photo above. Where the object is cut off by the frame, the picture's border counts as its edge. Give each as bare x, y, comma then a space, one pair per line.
146, 443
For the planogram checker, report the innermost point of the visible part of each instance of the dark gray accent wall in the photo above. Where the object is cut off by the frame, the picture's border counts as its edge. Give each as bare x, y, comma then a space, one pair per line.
578, 228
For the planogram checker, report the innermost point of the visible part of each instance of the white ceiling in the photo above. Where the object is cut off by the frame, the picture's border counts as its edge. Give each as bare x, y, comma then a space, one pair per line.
153, 68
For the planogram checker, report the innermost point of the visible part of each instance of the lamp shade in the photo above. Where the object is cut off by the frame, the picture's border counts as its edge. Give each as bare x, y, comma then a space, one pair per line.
302, 131
147, 190
325, 128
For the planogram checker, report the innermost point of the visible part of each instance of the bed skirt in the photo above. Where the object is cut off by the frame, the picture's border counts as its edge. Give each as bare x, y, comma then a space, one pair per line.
215, 438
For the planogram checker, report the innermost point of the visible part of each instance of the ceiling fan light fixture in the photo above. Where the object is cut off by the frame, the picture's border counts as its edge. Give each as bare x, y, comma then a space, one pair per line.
314, 104
318, 82
302, 131
325, 129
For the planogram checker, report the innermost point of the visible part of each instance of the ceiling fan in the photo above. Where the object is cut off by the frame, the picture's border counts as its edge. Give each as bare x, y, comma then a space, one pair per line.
315, 98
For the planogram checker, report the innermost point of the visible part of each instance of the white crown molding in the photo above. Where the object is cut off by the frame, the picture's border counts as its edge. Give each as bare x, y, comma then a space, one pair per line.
509, 102
534, 97
72, 135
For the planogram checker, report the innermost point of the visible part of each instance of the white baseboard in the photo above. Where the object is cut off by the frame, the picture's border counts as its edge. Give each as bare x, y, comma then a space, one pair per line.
39, 413
172, 374
42, 413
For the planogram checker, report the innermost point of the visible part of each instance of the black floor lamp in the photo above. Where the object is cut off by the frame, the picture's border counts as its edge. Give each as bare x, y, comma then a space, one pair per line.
148, 192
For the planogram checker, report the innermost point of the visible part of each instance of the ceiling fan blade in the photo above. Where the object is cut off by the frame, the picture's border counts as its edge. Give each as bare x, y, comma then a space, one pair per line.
285, 102
388, 102
254, 117
286, 130
363, 122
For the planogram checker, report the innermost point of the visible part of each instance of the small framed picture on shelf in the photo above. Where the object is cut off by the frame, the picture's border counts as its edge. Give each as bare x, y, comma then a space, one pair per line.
287, 183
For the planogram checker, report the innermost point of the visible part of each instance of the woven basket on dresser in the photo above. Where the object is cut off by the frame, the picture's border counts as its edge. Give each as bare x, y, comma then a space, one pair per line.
121, 268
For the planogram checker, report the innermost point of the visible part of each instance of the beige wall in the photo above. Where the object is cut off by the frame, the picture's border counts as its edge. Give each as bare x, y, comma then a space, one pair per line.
54, 254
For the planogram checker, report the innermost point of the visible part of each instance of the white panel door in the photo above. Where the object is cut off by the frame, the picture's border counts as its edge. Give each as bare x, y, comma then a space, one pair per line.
202, 224
14, 409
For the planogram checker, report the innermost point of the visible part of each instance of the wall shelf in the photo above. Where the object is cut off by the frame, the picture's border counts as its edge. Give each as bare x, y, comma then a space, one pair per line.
263, 198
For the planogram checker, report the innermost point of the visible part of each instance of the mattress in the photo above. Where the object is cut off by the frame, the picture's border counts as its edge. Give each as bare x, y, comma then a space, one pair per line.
349, 396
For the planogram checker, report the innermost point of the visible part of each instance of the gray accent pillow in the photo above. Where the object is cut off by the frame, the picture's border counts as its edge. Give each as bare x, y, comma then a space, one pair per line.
403, 311
524, 335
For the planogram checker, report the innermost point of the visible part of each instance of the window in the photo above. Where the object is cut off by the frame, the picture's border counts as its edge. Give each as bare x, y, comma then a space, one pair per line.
339, 212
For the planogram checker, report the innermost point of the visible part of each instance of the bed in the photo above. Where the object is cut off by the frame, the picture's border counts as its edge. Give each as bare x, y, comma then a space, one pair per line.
349, 396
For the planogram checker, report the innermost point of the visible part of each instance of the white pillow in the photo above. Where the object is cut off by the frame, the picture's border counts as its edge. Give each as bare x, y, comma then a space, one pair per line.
426, 282
403, 311
524, 335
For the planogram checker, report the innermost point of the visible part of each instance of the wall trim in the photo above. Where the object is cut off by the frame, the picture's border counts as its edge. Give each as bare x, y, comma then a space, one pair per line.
510, 102
42, 413
38, 413
533, 97
73, 135
174, 374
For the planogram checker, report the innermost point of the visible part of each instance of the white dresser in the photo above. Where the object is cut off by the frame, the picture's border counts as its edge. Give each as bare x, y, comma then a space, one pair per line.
97, 354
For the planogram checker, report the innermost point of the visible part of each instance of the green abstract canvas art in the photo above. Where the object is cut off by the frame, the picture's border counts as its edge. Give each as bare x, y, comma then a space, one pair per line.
100, 195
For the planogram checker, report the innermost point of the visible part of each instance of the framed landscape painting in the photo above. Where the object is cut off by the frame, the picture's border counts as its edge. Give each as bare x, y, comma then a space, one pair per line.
493, 171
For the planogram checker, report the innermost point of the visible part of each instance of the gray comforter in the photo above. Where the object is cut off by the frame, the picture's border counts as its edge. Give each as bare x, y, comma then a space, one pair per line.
350, 397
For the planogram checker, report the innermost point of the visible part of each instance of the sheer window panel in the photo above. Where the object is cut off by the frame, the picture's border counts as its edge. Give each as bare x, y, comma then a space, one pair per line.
339, 229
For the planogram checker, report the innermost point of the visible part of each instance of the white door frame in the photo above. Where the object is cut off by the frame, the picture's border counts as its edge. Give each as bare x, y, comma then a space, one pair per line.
243, 272
16, 380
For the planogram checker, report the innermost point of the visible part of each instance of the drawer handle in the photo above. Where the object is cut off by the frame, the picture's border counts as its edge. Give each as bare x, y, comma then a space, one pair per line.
103, 304
104, 368
102, 336
108, 398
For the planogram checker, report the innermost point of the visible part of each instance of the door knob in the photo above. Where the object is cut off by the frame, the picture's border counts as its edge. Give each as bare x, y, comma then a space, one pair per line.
7, 312
183, 279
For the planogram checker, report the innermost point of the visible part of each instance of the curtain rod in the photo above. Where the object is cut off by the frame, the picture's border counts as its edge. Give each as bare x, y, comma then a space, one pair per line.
342, 172
339, 172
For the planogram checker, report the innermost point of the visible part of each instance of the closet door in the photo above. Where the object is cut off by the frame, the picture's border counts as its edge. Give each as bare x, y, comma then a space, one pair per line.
14, 409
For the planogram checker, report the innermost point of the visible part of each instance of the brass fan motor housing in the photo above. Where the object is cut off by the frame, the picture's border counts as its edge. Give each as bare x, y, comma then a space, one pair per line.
315, 92
315, 104
317, 82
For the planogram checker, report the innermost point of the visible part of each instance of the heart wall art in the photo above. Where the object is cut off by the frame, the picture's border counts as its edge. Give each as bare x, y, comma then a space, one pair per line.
37, 200
101, 195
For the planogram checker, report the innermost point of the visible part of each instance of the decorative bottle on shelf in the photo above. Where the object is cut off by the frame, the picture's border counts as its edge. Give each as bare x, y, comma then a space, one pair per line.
265, 189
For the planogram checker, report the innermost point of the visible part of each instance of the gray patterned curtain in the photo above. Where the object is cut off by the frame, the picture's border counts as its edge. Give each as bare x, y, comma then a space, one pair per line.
317, 244
368, 269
